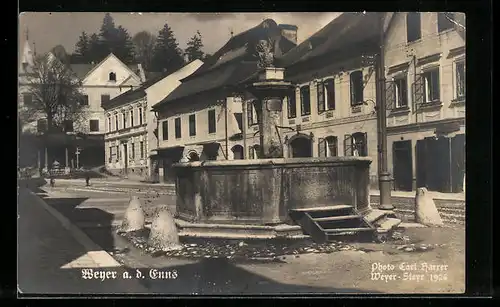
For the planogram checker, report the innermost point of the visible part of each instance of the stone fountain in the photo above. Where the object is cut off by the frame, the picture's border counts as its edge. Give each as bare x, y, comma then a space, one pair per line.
276, 196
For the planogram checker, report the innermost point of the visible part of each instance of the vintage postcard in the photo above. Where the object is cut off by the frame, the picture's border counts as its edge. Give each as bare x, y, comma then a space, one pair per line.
241, 153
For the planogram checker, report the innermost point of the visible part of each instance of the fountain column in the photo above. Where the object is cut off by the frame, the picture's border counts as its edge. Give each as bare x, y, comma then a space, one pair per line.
270, 89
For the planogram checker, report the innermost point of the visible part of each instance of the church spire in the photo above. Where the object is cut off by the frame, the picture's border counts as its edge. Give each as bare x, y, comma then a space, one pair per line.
27, 56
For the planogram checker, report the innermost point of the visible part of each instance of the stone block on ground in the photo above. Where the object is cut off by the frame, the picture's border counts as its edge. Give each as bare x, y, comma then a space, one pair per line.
134, 216
426, 212
164, 234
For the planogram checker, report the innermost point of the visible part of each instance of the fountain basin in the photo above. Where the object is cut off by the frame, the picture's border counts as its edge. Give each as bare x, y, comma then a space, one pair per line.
263, 191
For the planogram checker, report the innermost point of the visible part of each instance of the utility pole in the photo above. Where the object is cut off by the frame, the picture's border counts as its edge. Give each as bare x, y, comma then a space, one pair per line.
384, 177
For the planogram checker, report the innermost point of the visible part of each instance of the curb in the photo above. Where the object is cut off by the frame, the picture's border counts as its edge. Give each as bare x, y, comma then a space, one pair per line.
94, 251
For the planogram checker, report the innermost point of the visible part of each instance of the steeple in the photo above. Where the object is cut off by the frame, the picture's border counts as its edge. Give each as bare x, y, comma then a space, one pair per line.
27, 56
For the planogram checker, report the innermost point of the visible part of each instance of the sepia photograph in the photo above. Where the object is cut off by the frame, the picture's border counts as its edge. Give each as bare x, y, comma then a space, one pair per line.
279, 153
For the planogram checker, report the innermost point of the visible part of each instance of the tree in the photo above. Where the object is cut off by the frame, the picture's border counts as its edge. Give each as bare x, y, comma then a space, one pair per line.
194, 46
60, 53
82, 47
55, 93
167, 56
144, 43
123, 46
95, 49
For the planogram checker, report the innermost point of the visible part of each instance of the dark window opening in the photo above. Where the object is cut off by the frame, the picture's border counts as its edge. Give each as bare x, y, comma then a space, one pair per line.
27, 99
85, 100
104, 99
445, 21
356, 87
124, 116
413, 27
112, 76
140, 117
330, 94
164, 130
178, 128
192, 125
94, 125
212, 128
141, 144
132, 118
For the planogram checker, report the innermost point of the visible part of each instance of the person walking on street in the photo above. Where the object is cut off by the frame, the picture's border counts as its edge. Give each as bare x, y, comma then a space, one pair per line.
87, 178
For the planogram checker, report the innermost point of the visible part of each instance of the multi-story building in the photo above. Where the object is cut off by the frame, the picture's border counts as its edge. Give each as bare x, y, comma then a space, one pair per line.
99, 82
130, 125
202, 119
331, 111
425, 67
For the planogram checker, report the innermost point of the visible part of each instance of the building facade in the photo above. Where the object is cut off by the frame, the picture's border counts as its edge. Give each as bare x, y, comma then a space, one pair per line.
425, 67
203, 118
82, 142
130, 124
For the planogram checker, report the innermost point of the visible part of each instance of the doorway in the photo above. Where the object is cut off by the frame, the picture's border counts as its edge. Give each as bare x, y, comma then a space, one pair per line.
402, 163
301, 147
125, 157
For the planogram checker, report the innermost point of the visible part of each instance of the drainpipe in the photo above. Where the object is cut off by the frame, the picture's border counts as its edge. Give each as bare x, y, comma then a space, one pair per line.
226, 124
244, 125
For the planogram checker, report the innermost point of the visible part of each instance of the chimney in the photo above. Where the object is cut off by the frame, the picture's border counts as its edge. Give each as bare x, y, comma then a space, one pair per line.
289, 31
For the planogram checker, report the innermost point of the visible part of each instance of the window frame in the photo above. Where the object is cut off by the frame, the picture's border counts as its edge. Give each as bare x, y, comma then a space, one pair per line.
178, 127
428, 85
212, 120
418, 26
305, 88
443, 21
164, 130
460, 62
291, 100
90, 125
397, 95
192, 124
355, 101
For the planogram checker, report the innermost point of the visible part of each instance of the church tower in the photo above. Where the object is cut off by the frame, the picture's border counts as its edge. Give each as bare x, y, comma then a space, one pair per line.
27, 56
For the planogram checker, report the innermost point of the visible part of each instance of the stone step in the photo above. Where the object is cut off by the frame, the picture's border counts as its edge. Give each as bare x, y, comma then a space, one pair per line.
346, 230
336, 218
324, 208
387, 224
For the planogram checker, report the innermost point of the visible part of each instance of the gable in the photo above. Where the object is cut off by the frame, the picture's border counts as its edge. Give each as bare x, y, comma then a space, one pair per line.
100, 74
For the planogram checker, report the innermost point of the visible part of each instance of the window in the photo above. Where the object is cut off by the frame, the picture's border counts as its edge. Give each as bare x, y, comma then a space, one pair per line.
413, 27
326, 95
401, 94
144, 116
460, 72
331, 146
68, 126
212, 128
131, 118
445, 21
132, 151
112, 76
431, 85
305, 101
117, 152
330, 94
178, 128
327, 147
292, 105
41, 125
85, 100
356, 87
192, 125
124, 117
164, 130
27, 99
116, 122
110, 158
141, 144
109, 124
104, 99
140, 116
94, 125
356, 144
252, 114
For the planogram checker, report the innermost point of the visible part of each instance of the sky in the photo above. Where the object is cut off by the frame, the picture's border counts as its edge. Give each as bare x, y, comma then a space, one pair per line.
47, 30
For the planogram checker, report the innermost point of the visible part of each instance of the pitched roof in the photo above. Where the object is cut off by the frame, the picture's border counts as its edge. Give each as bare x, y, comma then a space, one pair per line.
128, 96
82, 70
342, 32
232, 64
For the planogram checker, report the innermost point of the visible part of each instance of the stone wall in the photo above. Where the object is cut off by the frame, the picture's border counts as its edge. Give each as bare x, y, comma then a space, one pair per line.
263, 191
